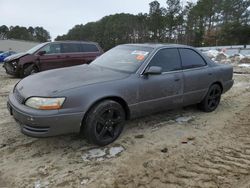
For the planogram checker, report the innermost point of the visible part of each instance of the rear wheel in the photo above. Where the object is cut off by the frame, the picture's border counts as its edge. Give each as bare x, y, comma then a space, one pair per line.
104, 123
212, 99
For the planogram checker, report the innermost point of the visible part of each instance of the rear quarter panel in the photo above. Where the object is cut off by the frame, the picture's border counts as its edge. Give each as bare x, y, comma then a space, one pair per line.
224, 74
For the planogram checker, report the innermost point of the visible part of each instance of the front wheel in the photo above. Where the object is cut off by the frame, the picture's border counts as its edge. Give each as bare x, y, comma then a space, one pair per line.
104, 123
212, 99
29, 69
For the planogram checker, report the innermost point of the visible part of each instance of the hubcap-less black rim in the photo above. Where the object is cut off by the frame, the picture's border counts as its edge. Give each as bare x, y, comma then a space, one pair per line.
214, 98
33, 71
107, 125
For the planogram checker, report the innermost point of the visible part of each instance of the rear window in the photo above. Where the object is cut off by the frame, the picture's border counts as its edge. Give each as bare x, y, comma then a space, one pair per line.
89, 48
191, 59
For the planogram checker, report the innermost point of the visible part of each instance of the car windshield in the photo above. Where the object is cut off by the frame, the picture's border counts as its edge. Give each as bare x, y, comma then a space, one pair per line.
34, 49
123, 58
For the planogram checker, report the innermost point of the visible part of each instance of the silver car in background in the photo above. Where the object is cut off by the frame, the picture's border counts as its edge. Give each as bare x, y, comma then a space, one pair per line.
126, 82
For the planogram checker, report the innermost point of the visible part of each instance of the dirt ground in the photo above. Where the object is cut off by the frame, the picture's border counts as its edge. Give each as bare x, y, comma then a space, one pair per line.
179, 148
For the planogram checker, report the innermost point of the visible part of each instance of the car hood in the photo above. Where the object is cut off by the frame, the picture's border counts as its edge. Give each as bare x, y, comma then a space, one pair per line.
15, 56
50, 83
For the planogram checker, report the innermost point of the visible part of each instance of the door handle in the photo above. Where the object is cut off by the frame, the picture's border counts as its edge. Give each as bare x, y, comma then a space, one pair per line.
177, 79
210, 74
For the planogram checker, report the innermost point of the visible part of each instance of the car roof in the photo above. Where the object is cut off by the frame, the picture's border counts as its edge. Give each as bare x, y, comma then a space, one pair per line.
72, 41
158, 45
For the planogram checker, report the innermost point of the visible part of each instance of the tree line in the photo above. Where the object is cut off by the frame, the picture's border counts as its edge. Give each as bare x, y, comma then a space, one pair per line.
204, 23
38, 34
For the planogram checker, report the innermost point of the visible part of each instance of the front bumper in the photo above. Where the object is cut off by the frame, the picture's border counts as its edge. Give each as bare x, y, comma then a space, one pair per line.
11, 69
41, 123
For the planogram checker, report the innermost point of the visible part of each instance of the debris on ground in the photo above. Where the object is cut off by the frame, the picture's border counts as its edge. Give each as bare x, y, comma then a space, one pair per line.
139, 136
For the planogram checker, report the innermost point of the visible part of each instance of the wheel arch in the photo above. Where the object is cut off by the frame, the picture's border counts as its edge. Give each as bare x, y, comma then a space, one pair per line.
218, 83
213, 83
117, 99
25, 65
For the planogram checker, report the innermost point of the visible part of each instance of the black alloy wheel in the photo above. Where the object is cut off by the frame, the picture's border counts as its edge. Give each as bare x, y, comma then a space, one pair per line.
212, 99
104, 123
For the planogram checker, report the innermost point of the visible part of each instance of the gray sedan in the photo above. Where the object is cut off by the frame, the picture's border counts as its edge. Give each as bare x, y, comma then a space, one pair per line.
126, 82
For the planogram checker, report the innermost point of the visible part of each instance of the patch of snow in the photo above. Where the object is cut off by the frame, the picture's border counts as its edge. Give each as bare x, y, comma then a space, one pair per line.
102, 154
94, 154
85, 181
184, 119
113, 151
244, 65
221, 56
211, 53
240, 56
245, 60
37, 184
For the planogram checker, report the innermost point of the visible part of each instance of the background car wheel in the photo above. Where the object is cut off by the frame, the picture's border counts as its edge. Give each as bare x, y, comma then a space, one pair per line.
104, 123
212, 99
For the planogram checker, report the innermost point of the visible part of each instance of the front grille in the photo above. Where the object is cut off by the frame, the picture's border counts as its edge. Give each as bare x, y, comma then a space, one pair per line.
18, 96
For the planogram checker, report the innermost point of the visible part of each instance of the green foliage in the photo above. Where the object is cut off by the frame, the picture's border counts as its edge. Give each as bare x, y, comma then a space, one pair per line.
110, 30
3, 31
208, 22
38, 34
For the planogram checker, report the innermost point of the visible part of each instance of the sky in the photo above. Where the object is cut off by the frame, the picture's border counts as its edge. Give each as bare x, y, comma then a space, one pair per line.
58, 16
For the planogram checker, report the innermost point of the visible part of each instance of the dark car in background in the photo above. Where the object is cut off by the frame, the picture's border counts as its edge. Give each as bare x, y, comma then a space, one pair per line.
6, 54
126, 82
51, 55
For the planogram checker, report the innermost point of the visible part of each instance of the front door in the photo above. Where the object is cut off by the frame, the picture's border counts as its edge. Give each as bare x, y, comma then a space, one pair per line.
52, 58
162, 91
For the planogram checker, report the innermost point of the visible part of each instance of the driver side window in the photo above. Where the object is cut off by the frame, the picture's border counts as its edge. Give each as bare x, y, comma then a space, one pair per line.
52, 48
167, 59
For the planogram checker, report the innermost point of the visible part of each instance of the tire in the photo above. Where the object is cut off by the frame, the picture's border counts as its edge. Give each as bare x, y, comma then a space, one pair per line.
29, 69
104, 123
212, 99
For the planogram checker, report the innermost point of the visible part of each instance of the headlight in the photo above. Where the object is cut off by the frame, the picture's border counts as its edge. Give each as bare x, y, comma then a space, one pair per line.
45, 103
14, 63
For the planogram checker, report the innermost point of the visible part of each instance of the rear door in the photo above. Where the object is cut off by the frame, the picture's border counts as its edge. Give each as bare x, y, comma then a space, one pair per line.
163, 91
197, 76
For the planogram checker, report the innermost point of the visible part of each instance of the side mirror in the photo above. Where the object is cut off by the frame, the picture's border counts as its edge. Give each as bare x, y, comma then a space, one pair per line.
153, 70
41, 53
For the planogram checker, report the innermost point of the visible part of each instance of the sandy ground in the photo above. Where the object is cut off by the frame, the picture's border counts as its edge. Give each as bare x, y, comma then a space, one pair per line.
179, 148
